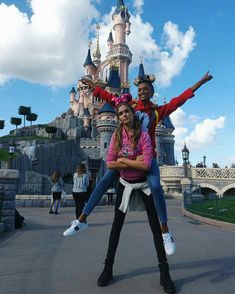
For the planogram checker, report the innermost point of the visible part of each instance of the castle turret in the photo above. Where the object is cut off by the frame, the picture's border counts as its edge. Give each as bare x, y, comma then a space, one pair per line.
106, 125
73, 94
110, 41
119, 51
90, 68
86, 119
73, 101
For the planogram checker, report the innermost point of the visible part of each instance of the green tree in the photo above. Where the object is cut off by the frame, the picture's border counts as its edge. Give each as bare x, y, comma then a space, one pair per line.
2, 124
24, 110
16, 121
31, 117
50, 130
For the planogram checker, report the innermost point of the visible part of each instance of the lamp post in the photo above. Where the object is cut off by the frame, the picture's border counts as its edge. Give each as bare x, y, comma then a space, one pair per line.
204, 161
11, 152
185, 156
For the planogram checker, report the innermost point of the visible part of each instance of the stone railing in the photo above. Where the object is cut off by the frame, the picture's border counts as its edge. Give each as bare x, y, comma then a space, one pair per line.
172, 171
8, 188
213, 173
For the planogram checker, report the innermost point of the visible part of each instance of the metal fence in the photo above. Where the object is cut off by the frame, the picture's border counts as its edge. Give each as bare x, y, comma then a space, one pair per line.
211, 206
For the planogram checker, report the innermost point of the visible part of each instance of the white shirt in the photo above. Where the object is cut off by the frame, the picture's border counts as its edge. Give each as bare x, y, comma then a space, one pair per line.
80, 183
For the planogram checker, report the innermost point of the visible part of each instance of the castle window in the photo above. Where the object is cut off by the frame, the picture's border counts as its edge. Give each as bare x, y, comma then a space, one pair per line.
105, 145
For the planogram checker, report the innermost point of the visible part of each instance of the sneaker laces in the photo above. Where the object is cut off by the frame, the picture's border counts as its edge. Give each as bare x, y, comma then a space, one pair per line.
74, 222
167, 238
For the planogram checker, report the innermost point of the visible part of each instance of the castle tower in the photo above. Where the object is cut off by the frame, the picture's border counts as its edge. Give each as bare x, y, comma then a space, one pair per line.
119, 52
168, 142
90, 68
110, 41
106, 125
86, 119
73, 101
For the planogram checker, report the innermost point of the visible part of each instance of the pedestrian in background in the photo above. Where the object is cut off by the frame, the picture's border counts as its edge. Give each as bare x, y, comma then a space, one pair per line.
80, 188
57, 187
109, 198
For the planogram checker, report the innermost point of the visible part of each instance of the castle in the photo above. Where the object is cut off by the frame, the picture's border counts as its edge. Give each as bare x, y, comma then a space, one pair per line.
83, 132
112, 74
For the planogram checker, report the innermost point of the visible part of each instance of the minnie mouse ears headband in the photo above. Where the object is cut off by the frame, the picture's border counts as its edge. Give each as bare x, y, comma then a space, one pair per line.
127, 97
144, 79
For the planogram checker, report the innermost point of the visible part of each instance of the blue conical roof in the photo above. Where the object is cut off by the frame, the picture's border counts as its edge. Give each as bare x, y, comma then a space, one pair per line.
86, 112
88, 60
120, 7
107, 108
73, 90
110, 38
141, 70
114, 80
166, 121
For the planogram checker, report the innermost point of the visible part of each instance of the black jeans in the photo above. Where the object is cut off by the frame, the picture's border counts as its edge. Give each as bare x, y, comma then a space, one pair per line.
119, 218
80, 199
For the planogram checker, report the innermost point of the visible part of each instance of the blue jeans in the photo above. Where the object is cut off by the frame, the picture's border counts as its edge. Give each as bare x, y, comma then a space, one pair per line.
111, 175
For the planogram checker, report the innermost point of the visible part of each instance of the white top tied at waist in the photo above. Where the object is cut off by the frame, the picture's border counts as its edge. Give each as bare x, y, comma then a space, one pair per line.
129, 187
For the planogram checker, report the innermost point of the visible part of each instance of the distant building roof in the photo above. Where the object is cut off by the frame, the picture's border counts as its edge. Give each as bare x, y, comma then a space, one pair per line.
88, 60
86, 112
166, 121
107, 108
110, 38
73, 90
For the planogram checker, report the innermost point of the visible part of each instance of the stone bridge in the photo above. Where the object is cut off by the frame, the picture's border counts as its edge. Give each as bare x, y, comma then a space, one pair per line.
220, 181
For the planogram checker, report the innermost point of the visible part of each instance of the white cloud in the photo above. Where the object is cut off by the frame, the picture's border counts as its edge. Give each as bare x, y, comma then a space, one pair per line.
205, 132
202, 135
138, 5
51, 46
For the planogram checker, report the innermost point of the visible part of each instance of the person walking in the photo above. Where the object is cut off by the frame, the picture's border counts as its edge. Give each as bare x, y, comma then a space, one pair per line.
57, 187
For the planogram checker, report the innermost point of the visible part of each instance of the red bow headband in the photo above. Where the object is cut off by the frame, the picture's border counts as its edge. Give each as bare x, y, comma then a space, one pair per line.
127, 97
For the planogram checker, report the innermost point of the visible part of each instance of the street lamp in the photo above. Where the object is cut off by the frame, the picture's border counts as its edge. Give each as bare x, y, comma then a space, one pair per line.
185, 156
204, 161
11, 152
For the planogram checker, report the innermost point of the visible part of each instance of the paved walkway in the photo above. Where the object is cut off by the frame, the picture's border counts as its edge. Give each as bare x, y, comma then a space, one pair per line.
38, 259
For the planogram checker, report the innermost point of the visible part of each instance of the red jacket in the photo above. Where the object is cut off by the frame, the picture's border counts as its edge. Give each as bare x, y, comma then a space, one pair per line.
154, 116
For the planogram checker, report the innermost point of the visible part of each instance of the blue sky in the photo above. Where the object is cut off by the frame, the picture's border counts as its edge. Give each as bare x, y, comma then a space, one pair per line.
43, 44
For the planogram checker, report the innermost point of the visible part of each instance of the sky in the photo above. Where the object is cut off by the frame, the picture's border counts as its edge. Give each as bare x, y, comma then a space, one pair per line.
43, 45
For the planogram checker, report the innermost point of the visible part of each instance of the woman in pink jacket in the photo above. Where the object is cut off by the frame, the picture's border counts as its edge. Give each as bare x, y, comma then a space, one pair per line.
131, 153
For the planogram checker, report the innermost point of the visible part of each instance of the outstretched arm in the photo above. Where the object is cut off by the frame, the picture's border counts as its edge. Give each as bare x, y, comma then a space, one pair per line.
206, 78
88, 83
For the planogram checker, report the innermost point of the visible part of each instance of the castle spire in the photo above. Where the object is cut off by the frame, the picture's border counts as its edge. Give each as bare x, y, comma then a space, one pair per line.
88, 60
97, 54
141, 68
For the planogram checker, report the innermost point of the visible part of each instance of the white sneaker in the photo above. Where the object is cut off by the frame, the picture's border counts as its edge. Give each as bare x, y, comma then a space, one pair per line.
169, 243
75, 227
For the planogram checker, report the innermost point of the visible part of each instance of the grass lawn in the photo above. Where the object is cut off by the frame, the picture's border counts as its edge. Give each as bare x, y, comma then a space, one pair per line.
221, 209
3, 155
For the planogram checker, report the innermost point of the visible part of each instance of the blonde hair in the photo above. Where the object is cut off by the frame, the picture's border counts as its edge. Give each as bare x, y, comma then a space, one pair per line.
81, 169
136, 128
55, 177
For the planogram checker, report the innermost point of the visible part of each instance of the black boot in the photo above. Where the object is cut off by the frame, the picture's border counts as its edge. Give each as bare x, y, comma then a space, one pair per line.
107, 275
165, 278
